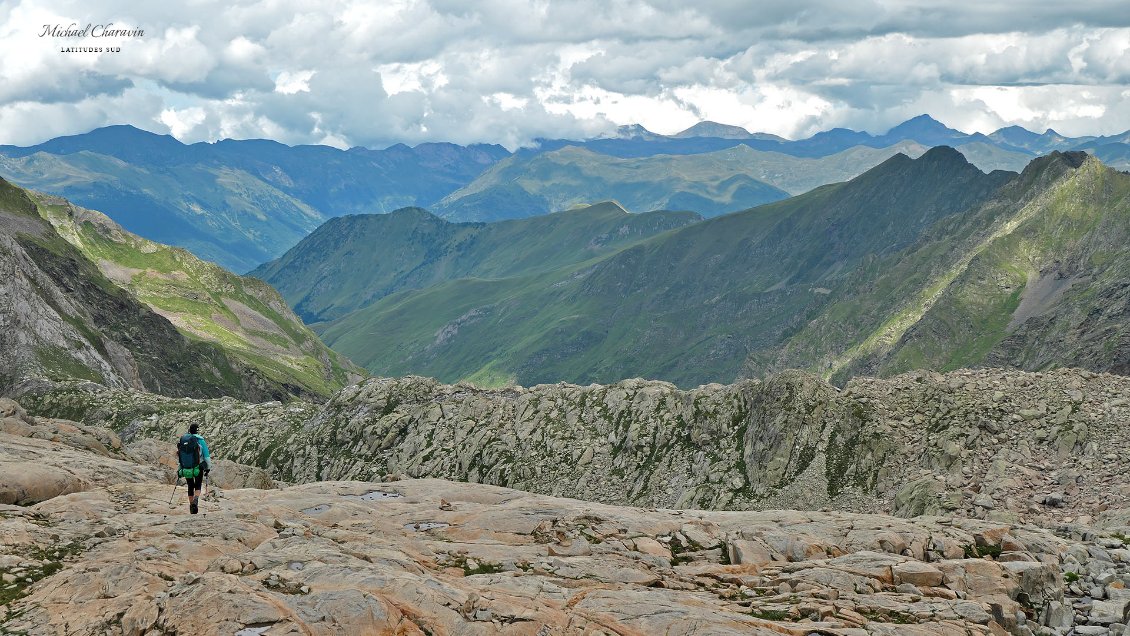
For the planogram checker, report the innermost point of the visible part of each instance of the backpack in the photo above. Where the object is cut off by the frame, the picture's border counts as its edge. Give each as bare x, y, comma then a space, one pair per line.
188, 454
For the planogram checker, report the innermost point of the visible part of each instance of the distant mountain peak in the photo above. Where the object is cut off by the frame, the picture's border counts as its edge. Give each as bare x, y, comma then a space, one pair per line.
123, 141
923, 120
633, 131
116, 132
130, 128
1014, 132
925, 130
715, 129
845, 137
938, 158
923, 124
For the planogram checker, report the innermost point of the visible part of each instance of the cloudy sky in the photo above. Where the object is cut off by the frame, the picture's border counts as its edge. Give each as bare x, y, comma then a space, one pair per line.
351, 72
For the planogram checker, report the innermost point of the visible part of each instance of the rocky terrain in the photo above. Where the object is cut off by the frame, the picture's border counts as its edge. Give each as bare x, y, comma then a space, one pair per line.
989, 444
42, 458
106, 553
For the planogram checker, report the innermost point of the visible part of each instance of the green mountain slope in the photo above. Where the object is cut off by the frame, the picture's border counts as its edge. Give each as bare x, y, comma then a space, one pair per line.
688, 306
1034, 278
62, 319
710, 183
723, 131
351, 262
1047, 288
246, 317
85, 299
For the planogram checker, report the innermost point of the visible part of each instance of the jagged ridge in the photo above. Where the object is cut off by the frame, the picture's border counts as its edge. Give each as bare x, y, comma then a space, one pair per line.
970, 443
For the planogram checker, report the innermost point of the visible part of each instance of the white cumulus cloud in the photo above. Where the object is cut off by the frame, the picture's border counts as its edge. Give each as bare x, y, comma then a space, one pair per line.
289, 83
356, 72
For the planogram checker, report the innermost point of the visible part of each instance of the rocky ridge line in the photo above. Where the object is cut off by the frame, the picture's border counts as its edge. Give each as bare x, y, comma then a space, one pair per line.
1001, 445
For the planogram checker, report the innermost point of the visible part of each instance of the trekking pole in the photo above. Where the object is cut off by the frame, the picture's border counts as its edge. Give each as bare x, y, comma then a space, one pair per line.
175, 484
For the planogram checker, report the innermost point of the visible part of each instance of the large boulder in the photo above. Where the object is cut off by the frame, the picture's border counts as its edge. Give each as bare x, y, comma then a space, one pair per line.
917, 573
24, 483
1037, 583
227, 474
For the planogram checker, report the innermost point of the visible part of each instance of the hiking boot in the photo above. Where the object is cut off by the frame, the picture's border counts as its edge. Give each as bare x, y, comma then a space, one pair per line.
193, 507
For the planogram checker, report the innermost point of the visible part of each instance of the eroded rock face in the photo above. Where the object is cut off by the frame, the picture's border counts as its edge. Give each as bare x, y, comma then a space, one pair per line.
989, 444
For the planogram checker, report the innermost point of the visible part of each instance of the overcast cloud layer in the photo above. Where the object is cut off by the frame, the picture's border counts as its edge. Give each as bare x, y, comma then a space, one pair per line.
349, 72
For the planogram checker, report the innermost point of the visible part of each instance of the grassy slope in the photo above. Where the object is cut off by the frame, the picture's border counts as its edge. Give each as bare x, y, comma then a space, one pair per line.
952, 300
1073, 234
110, 320
685, 306
244, 316
353, 261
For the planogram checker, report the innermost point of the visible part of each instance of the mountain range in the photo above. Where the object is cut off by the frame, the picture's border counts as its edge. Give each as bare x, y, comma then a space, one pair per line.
1034, 278
243, 203
922, 261
1015, 144
237, 203
917, 263
710, 183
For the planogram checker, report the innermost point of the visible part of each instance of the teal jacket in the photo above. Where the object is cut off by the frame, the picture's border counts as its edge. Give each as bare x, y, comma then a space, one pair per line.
205, 455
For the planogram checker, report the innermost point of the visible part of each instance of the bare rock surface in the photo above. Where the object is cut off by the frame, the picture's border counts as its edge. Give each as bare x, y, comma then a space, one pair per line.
43, 458
429, 556
330, 558
224, 474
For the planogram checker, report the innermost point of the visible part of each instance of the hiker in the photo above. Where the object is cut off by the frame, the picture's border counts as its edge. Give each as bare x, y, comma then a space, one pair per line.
195, 463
